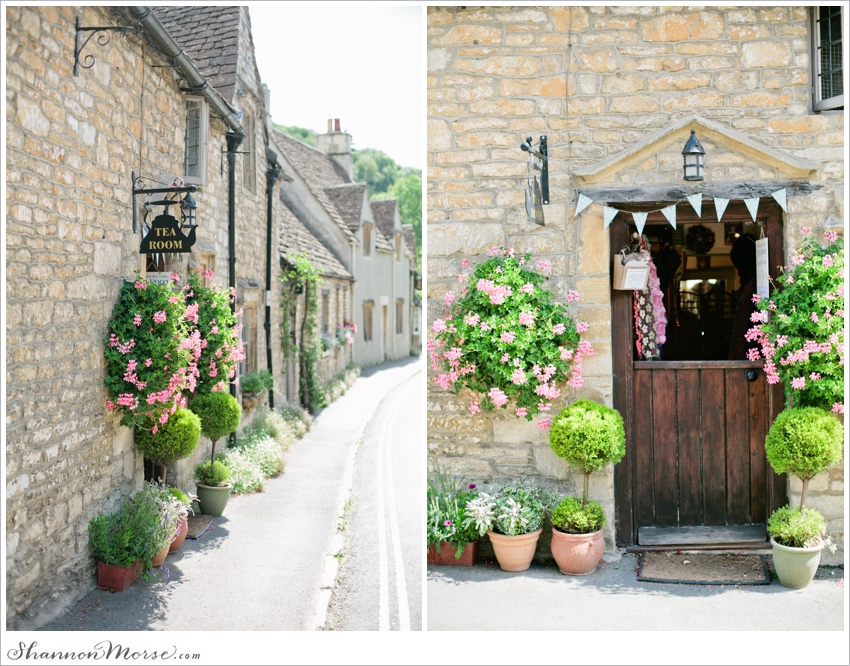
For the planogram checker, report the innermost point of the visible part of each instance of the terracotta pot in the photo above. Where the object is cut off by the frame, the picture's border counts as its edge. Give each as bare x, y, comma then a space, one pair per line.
796, 567
115, 578
514, 552
251, 400
577, 554
180, 537
160, 556
447, 554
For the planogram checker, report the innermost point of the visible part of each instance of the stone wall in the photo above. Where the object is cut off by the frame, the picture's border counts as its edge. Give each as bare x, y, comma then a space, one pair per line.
596, 81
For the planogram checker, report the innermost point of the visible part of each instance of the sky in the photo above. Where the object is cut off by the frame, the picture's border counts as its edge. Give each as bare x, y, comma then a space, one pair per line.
360, 63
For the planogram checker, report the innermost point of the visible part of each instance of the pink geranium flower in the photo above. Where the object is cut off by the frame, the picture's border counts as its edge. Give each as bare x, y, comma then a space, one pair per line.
526, 318
439, 325
544, 265
449, 297
474, 408
544, 424
508, 337
573, 295
582, 327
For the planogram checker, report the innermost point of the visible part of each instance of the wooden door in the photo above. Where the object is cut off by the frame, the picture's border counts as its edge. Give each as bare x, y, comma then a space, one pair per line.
695, 430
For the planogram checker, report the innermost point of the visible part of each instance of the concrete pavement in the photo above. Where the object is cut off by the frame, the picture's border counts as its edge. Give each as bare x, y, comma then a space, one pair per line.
259, 567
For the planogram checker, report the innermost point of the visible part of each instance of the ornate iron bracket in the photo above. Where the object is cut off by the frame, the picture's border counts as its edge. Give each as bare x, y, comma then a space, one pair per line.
138, 189
102, 34
541, 152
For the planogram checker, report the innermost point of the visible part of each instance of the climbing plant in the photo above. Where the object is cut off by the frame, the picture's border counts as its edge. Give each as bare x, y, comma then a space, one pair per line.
302, 278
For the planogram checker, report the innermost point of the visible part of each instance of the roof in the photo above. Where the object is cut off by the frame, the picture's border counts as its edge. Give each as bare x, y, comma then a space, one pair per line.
318, 171
296, 238
384, 213
410, 242
210, 37
348, 199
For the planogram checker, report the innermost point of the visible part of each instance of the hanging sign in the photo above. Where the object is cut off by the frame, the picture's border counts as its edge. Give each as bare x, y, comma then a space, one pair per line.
534, 203
165, 235
158, 278
762, 268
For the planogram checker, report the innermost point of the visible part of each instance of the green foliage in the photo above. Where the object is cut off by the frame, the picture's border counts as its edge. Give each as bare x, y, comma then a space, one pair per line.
519, 507
256, 382
245, 474
802, 340
407, 191
146, 366
447, 498
212, 473
303, 277
340, 383
297, 418
588, 435
219, 413
375, 168
174, 440
270, 423
574, 517
303, 134
804, 441
209, 308
795, 528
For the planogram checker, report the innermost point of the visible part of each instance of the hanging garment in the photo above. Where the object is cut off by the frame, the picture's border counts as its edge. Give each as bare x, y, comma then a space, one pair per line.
650, 315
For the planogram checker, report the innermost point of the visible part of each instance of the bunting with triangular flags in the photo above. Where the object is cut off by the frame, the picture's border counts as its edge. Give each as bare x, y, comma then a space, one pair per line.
753, 206
779, 195
640, 220
583, 202
670, 214
609, 214
720, 206
696, 202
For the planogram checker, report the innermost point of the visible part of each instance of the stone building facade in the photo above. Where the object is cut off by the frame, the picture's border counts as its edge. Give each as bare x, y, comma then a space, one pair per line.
615, 90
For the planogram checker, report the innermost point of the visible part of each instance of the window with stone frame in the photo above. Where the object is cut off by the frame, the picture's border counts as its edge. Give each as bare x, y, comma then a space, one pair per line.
249, 163
827, 68
195, 141
326, 310
368, 306
399, 316
367, 240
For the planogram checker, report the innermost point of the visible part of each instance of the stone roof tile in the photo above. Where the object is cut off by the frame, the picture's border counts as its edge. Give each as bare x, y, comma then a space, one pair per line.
348, 199
296, 238
383, 211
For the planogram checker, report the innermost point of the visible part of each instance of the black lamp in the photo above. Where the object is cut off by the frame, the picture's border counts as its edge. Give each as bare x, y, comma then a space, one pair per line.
188, 211
694, 155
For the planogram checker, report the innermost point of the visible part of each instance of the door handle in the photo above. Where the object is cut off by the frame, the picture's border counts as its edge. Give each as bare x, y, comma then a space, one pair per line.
752, 375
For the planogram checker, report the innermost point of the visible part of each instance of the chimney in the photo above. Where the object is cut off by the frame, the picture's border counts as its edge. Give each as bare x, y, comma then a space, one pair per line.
337, 144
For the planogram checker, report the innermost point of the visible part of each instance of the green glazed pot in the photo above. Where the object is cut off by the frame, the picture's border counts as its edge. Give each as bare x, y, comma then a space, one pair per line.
213, 499
796, 567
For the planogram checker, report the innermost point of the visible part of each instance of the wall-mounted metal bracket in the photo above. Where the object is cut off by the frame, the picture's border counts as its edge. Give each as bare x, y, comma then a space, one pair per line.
102, 34
138, 189
541, 152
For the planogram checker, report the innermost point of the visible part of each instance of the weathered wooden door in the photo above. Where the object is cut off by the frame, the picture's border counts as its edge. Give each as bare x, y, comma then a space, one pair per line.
695, 430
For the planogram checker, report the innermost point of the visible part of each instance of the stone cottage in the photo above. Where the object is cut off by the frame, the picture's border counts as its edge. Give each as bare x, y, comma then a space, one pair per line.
617, 91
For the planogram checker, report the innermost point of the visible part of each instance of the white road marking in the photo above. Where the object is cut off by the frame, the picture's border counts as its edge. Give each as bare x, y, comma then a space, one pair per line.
383, 577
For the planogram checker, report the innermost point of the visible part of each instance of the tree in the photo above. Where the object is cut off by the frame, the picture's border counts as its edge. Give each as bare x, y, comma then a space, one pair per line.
407, 190
308, 136
375, 168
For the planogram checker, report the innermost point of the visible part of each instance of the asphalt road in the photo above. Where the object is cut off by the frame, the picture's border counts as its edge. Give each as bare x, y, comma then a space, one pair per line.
380, 581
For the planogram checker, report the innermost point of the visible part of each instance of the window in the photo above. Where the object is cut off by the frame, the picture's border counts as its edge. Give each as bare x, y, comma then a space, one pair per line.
367, 240
249, 165
399, 316
399, 244
326, 310
368, 306
195, 142
827, 71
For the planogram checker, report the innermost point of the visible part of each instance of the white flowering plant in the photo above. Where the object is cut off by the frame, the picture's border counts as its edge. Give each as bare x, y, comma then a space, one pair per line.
513, 509
504, 338
800, 327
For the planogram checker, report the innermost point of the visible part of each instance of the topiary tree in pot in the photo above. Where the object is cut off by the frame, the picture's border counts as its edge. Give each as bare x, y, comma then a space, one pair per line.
175, 439
219, 414
802, 441
588, 436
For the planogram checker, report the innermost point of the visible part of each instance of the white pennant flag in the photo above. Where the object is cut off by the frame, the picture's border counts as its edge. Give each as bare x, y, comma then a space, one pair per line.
720, 206
670, 214
779, 195
640, 220
609, 214
583, 202
696, 202
753, 206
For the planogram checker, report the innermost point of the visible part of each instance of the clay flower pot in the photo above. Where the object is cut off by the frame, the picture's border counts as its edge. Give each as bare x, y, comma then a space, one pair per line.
115, 578
180, 537
577, 554
796, 567
514, 553
447, 554
160, 556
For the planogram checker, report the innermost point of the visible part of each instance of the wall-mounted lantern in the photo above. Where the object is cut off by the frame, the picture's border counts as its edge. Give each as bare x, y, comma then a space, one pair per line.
189, 211
694, 155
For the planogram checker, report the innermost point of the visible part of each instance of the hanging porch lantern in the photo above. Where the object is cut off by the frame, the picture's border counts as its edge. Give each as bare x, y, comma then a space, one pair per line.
694, 155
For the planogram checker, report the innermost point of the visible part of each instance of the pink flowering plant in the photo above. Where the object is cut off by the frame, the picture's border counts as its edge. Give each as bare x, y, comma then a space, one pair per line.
147, 368
504, 338
800, 327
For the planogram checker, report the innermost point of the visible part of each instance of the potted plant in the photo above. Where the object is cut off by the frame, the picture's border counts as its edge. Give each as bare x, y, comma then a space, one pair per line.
449, 541
588, 436
253, 385
183, 505
174, 439
513, 519
213, 487
220, 415
802, 441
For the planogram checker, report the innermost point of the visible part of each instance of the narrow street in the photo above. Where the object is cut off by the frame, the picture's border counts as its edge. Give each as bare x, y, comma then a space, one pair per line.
268, 552
380, 580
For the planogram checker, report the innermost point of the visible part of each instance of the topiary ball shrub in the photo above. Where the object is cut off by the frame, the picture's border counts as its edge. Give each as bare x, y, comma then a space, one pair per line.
795, 528
175, 439
804, 441
588, 436
212, 473
220, 414
574, 517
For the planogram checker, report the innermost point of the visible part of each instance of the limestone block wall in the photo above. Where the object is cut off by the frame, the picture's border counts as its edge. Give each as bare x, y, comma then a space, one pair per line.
595, 81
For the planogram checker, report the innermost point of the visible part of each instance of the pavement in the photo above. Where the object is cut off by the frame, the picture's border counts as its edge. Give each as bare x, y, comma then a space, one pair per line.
260, 566
484, 597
